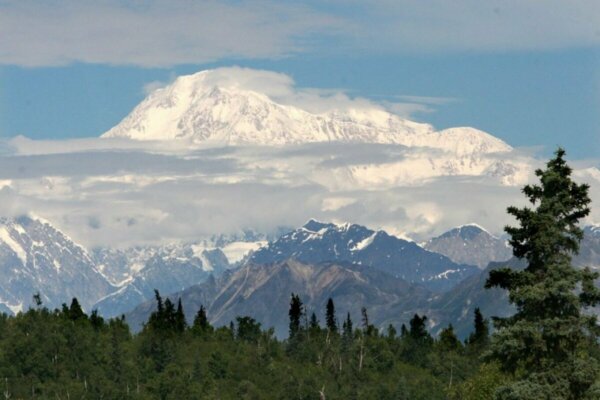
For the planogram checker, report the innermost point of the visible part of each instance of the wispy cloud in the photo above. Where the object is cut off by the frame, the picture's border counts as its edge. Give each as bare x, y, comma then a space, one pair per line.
282, 89
472, 25
166, 33
157, 33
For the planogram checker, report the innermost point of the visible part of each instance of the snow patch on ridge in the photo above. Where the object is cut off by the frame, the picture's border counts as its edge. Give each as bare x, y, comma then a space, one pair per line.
364, 243
206, 264
14, 246
475, 225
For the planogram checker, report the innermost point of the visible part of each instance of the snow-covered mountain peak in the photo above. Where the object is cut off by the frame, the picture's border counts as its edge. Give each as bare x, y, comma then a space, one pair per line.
466, 140
470, 231
35, 257
220, 107
470, 244
319, 241
314, 225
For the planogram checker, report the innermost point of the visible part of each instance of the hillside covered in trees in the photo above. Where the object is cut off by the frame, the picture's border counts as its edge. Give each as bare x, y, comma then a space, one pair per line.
65, 354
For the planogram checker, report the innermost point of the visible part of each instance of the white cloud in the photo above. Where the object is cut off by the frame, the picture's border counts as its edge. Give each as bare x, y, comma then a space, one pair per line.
282, 89
473, 25
152, 86
157, 33
123, 196
166, 33
336, 203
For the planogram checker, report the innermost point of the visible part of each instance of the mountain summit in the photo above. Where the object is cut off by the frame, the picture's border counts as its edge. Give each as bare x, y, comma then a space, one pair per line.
317, 242
219, 107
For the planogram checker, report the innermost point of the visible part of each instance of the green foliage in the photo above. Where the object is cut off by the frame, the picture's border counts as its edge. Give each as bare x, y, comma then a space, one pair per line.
448, 340
480, 386
47, 355
248, 329
545, 345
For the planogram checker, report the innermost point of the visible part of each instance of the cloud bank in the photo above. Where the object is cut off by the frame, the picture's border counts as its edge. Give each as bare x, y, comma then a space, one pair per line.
105, 193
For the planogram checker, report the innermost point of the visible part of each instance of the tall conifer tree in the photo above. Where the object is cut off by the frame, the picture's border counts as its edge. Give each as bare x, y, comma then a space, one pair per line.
330, 318
544, 343
480, 336
296, 312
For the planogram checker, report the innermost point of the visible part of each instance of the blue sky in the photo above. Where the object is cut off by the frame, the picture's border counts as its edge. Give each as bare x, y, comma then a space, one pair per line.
525, 72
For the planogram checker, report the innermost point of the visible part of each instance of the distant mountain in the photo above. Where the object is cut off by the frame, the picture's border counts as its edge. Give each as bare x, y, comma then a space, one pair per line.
216, 108
589, 254
37, 257
167, 269
317, 242
201, 108
123, 266
263, 292
458, 304
470, 244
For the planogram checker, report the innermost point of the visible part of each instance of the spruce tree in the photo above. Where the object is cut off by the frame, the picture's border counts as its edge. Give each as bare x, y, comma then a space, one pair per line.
418, 329
544, 344
417, 341
295, 313
180, 323
330, 319
201, 323
480, 336
314, 327
368, 328
403, 331
347, 331
96, 320
75, 310
448, 340
248, 329
314, 323
156, 320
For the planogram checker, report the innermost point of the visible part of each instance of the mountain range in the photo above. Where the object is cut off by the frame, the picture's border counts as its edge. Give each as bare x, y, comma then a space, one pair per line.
295, 264
168, 269
37, 257
392, 277
318, 242
263, 292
